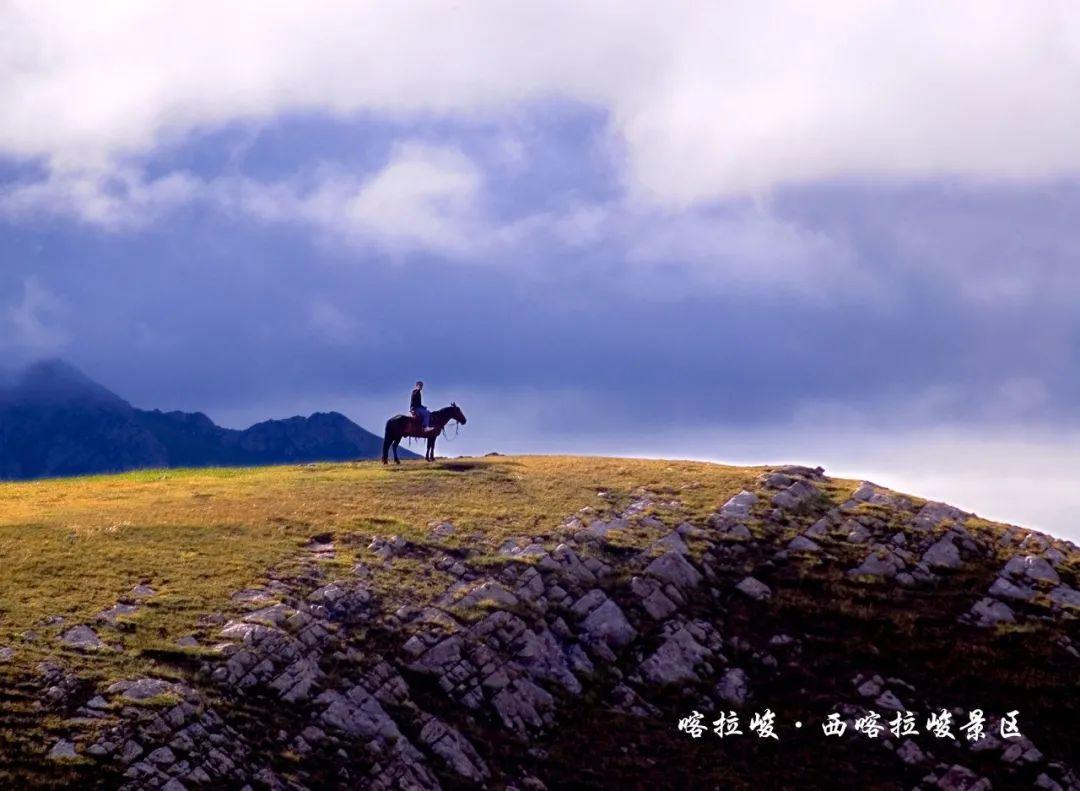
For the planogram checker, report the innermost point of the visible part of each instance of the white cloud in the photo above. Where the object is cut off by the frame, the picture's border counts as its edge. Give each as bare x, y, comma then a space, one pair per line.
741, 248
426, 196
112, 198
34, 323
423, 198
704, 103
707, 100
430, 198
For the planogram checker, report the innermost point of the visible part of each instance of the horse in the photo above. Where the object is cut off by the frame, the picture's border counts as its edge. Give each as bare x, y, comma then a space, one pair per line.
406, 426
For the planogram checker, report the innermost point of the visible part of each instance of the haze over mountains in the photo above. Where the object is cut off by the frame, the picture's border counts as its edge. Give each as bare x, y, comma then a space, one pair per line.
54, 420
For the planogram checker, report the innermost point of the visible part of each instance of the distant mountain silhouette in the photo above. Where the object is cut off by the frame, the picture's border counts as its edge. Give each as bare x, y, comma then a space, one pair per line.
54, 420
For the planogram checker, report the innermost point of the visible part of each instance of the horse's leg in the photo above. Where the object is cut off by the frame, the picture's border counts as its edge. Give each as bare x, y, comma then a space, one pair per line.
396, 443
431, 449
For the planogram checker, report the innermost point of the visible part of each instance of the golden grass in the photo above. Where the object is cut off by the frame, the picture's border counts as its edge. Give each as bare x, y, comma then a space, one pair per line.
73, 547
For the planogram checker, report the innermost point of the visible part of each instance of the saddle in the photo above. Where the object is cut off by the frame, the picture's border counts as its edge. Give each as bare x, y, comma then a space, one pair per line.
416, 426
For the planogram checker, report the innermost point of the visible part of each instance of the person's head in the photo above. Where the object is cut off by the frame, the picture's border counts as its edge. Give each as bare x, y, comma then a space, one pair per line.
419, 385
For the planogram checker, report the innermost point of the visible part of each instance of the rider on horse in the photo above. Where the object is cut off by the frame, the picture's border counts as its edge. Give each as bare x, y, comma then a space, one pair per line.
410, 426
417, 408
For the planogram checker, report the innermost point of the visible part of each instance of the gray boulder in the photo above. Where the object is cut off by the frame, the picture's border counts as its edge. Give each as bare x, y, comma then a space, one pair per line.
803, 544
879, 563
62, 750
991, 612
856, 532
943, 554
447, 743
675, 569
1065, 596
754, 588
796, 495
733, 687
1004, 589
653, 600
488, 591
739, 506
1033, 567
608, 624
81, 637
142, 688
675, 659
935, 513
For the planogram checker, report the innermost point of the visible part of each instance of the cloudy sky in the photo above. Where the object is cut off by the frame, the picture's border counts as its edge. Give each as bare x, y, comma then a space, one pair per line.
838, 232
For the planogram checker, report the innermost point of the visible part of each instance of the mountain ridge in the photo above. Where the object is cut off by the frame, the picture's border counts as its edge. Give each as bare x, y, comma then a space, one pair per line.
56, 421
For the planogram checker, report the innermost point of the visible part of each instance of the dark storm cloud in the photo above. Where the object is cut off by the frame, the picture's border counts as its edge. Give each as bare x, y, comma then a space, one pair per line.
954, 304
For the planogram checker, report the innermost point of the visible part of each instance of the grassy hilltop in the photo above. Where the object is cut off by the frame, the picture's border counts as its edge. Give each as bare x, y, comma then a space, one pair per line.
519, 622
70, 547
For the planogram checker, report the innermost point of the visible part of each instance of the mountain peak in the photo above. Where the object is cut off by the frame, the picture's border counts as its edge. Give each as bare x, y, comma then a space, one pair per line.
55, 420
55, 381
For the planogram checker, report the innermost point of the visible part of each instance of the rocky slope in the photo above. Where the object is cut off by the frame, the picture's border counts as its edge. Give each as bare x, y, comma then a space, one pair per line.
56, 421
578, 654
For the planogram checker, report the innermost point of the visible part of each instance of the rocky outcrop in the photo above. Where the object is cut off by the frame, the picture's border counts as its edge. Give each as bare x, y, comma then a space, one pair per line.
319, 678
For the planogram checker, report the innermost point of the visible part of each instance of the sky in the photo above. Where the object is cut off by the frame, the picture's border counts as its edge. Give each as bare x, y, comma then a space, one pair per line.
841, 233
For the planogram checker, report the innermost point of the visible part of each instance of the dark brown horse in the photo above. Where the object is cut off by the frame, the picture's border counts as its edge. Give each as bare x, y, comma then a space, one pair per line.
407, 426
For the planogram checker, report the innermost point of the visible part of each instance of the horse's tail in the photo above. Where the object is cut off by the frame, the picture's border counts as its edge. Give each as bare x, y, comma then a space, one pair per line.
387, 441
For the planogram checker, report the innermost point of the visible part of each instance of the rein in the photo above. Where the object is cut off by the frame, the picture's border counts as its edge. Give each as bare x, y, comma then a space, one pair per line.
457, 430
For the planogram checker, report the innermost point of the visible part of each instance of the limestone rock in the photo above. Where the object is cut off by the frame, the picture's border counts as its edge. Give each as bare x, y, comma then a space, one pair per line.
653, 599
754, 588
1065, 596
960, 778
446, 742
81, 637
881, 562
739, 506
991, 612
935, 513
441, 529
141, 688
387, 548
356, 713
523, 706
856, 532
943, 554
803, 544
865, 491
733, 687
795, 496
607, 623
672, 542
728, 529
488, 591
1004, 589
675, 659
675, 569
1033, 567
62, 750
909, 753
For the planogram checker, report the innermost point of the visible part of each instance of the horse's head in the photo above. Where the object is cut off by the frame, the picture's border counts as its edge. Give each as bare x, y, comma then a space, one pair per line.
457, 414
